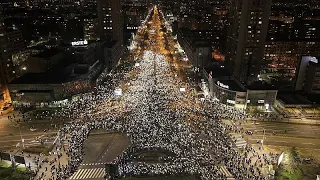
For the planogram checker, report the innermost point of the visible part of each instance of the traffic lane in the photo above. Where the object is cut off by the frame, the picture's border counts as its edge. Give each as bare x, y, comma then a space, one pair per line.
284, 128
104, 147
15, 131
9, 129
276, 125
119, 144
94, 146
31, 135
285, 141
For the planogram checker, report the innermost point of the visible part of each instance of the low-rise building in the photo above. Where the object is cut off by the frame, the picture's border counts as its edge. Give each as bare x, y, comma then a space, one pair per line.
230, 91
54, 75
198, 51
298, 105
45, 60
47, 87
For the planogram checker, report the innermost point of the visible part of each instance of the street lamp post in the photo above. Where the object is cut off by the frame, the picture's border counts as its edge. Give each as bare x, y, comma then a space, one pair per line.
264, 133
22, 140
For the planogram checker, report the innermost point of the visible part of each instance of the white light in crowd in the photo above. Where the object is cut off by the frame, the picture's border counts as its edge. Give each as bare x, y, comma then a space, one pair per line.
24, 68
280, 158
183, 89
267, 106
118, 92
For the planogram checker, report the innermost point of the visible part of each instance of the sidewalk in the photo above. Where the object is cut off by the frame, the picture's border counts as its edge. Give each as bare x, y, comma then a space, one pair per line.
290, 120
48, 165
254, 154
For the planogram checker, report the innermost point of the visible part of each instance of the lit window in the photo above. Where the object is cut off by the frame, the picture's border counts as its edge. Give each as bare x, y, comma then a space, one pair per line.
260, 22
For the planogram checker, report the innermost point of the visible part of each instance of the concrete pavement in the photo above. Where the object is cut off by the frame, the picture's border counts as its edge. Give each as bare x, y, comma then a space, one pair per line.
283, 129
48, 168
280, 134
100, 148
285, 141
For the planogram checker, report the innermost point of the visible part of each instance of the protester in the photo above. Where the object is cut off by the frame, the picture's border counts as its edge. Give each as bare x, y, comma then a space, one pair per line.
156, 116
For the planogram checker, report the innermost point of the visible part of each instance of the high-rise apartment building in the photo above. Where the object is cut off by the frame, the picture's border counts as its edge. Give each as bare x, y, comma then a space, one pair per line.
110, 20
247, 30
308, 75
2, 70
7, 45
90, 28
6, 67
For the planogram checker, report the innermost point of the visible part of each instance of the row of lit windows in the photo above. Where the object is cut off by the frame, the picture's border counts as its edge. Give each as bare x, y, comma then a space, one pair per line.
132, 27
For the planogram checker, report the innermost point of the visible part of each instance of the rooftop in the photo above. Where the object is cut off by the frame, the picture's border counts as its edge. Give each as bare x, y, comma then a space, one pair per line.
292, 98
217, 71
110, 44
261, 85
47, 53
56, 76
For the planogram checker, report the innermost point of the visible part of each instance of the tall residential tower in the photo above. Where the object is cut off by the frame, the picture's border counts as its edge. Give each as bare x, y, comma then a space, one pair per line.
110, 20
247, 31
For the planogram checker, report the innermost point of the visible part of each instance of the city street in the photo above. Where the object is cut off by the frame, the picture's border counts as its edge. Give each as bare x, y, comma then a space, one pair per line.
100, 148
103, 147
285, 141
14, 129
151, 98
283, 134
283, 129
147, 103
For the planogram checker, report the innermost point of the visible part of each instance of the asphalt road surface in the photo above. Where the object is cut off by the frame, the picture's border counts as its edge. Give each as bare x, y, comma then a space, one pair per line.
301, 130
11, 132
284, 134
100, 148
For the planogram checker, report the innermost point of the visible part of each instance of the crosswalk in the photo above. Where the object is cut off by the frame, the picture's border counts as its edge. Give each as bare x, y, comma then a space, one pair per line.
92, 164
226, 172
93, 173
238, 140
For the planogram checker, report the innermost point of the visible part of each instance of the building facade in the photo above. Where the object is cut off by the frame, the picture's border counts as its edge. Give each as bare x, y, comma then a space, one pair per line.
198, 51
285, 56
308, 75
247, 31
228, 90
112, 53
38, 94
110, 20
90, 29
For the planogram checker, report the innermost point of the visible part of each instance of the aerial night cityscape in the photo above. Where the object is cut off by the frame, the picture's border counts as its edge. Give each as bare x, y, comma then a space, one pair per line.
159, 89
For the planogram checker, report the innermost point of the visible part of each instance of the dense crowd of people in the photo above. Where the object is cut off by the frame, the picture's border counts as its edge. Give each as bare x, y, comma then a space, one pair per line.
152, 121
157, 116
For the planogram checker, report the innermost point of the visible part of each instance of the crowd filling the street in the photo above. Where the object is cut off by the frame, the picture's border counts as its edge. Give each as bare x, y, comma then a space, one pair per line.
157, 116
